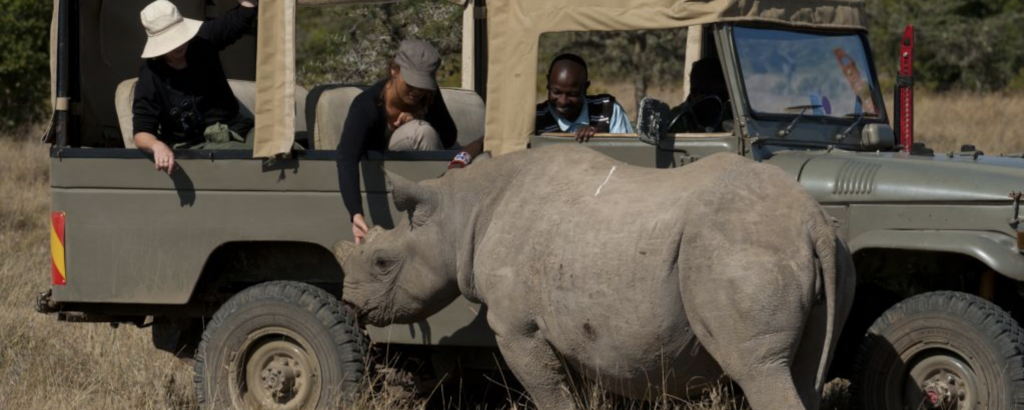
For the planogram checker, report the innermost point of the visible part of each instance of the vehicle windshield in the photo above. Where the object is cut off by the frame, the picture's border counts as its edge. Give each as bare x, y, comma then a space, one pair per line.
788, 72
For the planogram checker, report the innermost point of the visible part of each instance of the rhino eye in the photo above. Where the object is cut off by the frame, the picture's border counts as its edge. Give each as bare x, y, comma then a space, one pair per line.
382, 264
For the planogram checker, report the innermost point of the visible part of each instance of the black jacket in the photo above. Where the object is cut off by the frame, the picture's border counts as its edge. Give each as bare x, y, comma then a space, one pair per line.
176, 105
365, 129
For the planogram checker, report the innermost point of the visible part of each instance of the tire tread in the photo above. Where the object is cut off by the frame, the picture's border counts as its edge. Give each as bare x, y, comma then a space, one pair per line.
321, 304
998, 326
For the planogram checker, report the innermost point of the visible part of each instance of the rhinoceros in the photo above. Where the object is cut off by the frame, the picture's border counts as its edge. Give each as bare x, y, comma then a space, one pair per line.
649, 281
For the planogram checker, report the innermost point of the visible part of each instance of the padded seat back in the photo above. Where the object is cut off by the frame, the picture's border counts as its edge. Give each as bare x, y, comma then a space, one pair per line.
245, 92
327, 110
329, 104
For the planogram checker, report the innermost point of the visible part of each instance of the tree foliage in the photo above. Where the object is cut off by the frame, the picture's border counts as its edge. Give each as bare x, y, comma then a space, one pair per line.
355, 44
973, 45
24, 61
961, 44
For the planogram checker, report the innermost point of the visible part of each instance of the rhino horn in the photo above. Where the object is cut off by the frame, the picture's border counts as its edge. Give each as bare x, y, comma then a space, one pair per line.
418, 199
343, 249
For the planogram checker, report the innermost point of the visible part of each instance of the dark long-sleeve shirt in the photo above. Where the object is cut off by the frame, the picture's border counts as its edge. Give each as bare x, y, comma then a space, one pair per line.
201, 87
365, 129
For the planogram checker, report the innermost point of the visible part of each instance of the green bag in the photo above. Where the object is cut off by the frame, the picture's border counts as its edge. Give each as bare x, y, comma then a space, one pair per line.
219, 136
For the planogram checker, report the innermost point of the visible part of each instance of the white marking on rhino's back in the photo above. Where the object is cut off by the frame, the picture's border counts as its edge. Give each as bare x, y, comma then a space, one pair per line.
608, 178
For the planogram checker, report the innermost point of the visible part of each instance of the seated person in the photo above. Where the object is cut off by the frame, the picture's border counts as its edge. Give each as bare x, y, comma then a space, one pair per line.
570, 109
402, 112
707, 107
182, 98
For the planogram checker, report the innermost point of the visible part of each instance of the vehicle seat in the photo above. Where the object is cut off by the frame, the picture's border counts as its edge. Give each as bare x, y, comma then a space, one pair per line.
708, 101
328, 107
244, 90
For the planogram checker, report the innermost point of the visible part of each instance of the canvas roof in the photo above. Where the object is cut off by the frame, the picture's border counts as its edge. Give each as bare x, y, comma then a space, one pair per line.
512, 61
514, 28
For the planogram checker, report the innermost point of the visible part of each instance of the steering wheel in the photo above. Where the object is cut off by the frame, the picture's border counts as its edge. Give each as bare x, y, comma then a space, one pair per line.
689, 107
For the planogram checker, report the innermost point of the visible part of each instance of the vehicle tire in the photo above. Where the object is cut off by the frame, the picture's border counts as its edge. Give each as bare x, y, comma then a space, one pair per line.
941, 350
280, 345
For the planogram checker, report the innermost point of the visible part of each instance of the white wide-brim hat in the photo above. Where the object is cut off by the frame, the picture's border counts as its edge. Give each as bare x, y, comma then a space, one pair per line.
166, 28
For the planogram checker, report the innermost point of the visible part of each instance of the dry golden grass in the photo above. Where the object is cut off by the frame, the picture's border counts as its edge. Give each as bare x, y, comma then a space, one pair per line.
46, 364
994, 123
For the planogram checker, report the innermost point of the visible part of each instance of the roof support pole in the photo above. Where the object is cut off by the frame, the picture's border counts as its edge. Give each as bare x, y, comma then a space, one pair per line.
694, 46
61, 102
468, 47
480, 47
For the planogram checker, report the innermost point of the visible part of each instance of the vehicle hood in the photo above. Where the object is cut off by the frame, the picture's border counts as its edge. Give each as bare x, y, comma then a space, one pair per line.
857, 177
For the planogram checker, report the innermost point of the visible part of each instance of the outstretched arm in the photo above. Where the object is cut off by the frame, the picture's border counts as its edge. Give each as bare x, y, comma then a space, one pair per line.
470, 151
223, 31
146, 108
351, 146
163, 157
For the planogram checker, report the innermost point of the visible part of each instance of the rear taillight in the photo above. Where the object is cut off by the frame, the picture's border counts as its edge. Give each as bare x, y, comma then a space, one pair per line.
59, 271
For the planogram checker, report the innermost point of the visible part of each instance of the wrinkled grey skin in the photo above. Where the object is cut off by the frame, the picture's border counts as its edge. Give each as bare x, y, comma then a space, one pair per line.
647, 281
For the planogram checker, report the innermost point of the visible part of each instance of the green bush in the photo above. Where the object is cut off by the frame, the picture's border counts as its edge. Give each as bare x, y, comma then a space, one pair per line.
354, 44
25, 62
974, 45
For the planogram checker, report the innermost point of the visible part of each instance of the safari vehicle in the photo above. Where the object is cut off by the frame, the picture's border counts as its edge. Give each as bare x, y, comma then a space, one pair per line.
229, 258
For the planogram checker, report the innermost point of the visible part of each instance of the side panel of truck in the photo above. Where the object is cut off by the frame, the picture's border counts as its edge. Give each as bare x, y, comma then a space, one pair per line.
137, 236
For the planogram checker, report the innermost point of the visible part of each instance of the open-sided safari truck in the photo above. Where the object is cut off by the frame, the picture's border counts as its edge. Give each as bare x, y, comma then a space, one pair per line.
229, 257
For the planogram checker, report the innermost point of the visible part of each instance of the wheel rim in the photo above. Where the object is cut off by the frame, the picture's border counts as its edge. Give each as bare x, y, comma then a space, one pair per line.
940, 379
275, 369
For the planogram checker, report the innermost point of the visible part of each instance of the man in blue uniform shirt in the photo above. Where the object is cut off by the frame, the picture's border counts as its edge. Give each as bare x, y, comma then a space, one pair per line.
570, 109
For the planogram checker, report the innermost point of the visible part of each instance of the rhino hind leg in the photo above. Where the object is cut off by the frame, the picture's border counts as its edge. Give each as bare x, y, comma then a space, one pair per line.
768, 380
537, 366
772, 388
808, 356
749, 313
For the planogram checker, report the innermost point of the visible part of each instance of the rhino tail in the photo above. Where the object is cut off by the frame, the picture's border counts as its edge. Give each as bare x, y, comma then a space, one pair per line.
825, 241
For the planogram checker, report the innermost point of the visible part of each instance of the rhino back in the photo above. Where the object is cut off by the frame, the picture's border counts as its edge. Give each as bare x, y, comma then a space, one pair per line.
593, 255
587, 248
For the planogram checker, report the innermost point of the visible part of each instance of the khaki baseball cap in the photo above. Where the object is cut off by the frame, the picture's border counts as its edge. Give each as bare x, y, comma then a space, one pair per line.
419, 61
166, 28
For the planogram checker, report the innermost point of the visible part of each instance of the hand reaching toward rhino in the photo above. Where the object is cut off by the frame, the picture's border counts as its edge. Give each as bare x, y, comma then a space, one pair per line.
359, 228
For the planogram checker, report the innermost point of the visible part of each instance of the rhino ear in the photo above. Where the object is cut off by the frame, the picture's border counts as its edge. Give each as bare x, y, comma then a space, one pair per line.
373, 232
417, 199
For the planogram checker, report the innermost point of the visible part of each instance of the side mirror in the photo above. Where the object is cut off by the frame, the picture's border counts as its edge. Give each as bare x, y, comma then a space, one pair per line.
650, 122
877, 137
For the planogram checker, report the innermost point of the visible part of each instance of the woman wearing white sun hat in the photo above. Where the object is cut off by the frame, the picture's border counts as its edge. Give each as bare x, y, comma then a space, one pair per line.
182, 99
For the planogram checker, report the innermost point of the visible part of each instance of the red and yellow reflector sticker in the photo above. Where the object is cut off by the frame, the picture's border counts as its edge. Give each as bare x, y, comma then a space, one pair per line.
60, 273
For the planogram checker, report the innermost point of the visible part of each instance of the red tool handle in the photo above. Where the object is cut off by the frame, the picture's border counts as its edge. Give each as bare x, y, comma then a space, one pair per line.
905, 81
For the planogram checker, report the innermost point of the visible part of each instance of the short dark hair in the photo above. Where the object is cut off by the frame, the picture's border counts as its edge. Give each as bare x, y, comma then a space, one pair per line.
569, 57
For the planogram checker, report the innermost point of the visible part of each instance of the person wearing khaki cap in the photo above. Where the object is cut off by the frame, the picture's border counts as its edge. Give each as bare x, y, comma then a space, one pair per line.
182, 98
402, 112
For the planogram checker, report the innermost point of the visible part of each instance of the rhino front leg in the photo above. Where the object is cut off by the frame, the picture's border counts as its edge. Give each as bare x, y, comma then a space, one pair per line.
538, 368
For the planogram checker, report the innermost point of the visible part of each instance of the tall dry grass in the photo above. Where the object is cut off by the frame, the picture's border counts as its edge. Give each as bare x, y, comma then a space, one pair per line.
994, 123
46, 364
